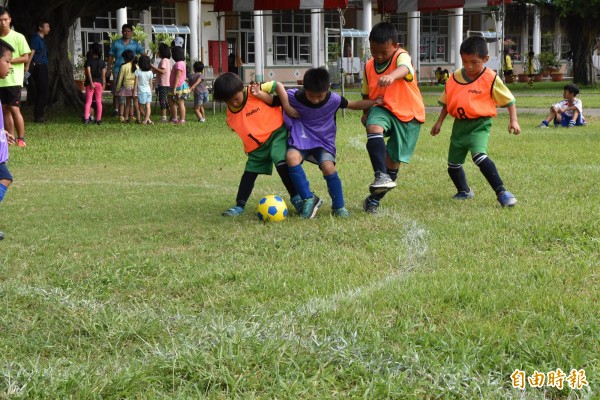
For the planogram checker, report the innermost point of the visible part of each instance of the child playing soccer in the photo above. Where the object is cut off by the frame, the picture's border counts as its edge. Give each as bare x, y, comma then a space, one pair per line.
6, 138
312, 138
568, 112
389, 74
471, 96
198, 86
260, 126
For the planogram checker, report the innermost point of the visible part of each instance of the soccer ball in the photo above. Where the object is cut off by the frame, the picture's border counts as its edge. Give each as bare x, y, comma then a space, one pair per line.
271, 208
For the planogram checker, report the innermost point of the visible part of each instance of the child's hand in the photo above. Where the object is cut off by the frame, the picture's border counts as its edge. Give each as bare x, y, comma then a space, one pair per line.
9, 137
385, 81
291, 111
435, 129
379, 101
254, 88
514, 128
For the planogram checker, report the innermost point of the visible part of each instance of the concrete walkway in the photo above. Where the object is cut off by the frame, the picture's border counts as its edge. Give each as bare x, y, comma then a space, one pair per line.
587, 112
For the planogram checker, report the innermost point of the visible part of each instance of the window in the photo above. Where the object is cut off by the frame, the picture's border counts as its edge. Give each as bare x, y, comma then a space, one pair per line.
434, 37
401, 22
164, 15
291, 33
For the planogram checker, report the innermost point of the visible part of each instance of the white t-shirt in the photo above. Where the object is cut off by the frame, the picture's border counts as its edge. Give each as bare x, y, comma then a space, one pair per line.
565, 103
143, 80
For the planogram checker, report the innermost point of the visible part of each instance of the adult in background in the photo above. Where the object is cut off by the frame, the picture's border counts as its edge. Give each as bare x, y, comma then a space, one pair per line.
38, 66
10, 87
115, 59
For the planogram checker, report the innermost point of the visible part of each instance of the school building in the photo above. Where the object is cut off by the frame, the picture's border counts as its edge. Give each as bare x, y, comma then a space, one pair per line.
268, 39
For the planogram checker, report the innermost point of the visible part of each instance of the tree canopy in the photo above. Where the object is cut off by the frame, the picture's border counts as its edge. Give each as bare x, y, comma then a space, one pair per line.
62, 14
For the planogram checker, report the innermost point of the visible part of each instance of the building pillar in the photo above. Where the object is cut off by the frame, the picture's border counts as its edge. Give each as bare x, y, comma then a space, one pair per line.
458, 37
259, 57
146, 22
121, 18
414, 28
537, 31
367, 17
315, 35
558, 38
193, 10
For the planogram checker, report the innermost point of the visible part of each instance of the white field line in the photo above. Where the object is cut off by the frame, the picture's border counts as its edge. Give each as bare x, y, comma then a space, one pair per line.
119, 183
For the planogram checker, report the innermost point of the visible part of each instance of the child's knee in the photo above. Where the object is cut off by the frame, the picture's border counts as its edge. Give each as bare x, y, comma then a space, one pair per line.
327, 167
293, 157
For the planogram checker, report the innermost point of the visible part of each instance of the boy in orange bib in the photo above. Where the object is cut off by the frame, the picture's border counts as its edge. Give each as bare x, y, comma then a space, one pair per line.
471, 96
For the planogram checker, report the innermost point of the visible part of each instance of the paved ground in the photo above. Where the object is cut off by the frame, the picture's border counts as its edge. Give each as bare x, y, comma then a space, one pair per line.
592, 112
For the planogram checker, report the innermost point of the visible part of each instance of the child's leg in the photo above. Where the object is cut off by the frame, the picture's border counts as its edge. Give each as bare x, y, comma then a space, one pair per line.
173, 109
148, 111
127, 108
284, 174
488, 169
243, 194
392, 169
4, 184
334, 184
202, 114
296, 173
136, 108
121, 108
458, 177
98, 100
181, 106
197, 111
89, 94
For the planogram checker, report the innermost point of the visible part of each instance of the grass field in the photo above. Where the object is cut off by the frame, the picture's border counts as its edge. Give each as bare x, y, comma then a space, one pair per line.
120, 278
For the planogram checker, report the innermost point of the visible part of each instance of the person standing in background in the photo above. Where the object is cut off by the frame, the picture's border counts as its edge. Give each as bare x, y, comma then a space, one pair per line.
38, 67
10, 87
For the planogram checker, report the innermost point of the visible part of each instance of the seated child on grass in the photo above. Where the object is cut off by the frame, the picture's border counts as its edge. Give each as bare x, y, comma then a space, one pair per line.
568, 112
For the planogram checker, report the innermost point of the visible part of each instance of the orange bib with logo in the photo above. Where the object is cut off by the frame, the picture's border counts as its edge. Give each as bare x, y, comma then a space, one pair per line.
471, 100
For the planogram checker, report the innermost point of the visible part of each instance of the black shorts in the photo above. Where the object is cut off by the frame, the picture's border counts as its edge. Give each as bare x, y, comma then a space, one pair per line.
5, 173
10, 96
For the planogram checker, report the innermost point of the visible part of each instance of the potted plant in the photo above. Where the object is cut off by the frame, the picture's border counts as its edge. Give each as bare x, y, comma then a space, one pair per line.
548, 62
79, 74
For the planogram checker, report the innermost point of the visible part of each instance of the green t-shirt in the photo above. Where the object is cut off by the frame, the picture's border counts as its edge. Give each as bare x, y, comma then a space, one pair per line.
17, 72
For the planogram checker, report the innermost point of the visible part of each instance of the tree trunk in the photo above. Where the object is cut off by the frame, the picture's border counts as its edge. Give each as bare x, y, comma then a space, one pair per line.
582, 34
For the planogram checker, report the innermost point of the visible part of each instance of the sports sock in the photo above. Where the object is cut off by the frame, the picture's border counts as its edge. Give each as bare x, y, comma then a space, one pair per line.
334, 186
284, 174
301, 184
377, 151
2, 192
545, 122
457, 174
488, 169
245, 188
571, 123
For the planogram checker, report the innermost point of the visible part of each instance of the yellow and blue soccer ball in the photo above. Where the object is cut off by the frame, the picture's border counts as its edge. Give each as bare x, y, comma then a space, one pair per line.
271, 208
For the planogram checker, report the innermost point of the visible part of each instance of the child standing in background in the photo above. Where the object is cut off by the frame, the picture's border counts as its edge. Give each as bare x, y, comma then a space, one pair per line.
143, 79
180, 91
6, 138
530, 68
95, 82
471, 96
163, 75
198, 86
126, 85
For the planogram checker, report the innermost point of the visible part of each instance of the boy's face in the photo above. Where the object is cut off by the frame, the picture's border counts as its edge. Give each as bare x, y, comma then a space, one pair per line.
383, 52
236, 101
315, 97
5, 65
568, 95
5, 23
473, 64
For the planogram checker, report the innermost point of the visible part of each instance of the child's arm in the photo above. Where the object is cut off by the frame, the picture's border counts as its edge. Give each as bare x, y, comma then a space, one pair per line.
285, 102
196, 83
120, 79
177, 76
399, 73
513, 124
364, 104
437, 127
88, 75
265, 97
103, 78
9, 137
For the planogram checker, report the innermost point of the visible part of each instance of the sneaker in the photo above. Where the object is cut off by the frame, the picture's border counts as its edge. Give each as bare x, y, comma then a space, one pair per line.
1, 236
98, 122
382, 183
21, 142
370, 205
507, 199
115, 113
163, 120
233, 211
174, 121
86, 121
542, 125
340, 212
464, 195
298, 203
181, 121
310, 207
201, 119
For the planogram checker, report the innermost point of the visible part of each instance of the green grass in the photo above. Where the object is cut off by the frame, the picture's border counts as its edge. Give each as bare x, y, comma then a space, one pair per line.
120, 279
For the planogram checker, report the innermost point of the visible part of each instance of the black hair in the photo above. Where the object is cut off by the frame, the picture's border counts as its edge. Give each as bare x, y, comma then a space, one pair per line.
4, 10
474, 45
95, 50
226, 86
198, 66
316, 80
531, 53
4, 47
145, 63
127, 26
178, 53
128, 56
164, 51
572, 88
41, 23
383, 32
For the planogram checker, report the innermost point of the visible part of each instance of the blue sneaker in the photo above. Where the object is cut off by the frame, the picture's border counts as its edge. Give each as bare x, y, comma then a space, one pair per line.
310, 207
298, 203
464, 195
233, 211
340, 212
370, 205
507, 199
